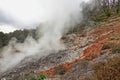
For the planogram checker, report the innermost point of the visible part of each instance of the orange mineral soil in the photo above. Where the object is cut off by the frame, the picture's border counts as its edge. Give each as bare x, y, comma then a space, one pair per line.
102, 37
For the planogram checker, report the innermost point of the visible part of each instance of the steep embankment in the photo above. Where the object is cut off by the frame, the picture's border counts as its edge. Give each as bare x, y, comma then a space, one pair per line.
93, 43
76, 61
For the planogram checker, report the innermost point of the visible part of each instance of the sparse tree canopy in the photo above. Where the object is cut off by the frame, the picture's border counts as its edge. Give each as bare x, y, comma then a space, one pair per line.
18, 34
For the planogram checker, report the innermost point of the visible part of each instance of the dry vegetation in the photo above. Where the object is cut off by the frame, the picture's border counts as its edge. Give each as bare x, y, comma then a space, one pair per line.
115, 36
109, 70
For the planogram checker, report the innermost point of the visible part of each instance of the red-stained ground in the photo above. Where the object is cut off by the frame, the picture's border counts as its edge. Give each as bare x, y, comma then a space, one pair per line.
102, 36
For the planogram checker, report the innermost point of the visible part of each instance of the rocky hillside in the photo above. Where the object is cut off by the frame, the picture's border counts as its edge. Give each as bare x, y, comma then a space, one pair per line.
92, 55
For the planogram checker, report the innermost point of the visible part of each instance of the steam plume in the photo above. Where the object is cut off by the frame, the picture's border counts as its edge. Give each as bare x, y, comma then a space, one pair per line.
54, 18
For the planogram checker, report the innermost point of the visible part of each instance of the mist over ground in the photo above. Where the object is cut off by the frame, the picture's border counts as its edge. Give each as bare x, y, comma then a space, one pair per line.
53, 19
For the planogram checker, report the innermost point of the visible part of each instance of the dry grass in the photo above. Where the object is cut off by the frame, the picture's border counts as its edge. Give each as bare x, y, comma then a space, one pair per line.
108, 70
115, 36
114, 47
60, 70
108, 46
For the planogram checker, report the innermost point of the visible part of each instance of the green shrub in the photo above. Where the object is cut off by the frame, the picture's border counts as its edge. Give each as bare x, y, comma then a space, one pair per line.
41, 77
33, 79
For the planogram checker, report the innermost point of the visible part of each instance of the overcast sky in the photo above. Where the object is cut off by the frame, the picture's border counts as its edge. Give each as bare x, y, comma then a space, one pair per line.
19, 14
7, 28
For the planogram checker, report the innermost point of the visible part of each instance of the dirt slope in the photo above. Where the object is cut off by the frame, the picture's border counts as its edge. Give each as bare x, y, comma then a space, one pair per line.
75, 62
96, 39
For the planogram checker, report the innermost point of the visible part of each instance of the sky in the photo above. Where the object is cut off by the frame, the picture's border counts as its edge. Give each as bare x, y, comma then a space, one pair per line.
19, 14
7, 28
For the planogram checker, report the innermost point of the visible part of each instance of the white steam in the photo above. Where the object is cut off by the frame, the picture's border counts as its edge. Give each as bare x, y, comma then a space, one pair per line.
54, 17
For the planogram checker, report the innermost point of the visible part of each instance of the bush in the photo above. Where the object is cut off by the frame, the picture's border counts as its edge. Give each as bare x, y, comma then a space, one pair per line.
41, 77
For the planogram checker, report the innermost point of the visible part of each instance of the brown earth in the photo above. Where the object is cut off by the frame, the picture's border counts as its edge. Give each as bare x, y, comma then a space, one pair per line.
102, 36
79, 48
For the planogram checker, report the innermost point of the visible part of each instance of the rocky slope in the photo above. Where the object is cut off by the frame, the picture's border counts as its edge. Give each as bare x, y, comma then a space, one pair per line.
76, 61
